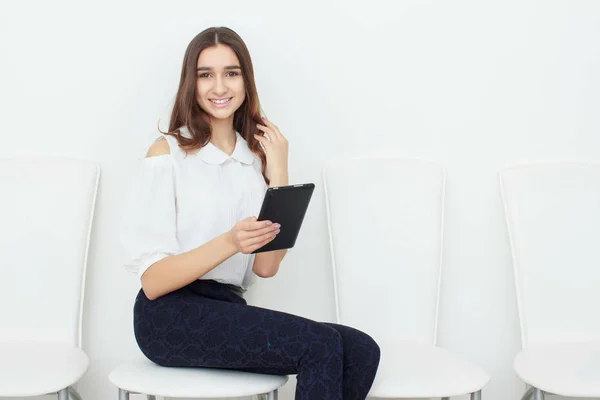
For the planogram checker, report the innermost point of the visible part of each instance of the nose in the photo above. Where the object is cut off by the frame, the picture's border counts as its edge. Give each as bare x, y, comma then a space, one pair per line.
219, 87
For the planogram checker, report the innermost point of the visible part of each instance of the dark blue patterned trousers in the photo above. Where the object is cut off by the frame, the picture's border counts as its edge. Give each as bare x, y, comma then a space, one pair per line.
206, 324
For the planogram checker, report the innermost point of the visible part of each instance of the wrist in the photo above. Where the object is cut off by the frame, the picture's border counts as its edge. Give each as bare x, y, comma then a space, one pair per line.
279, 178
229, 243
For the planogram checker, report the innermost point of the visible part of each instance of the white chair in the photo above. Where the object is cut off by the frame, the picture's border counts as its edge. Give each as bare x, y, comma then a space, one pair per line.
145, 377
46, 213
553, 219
385, 220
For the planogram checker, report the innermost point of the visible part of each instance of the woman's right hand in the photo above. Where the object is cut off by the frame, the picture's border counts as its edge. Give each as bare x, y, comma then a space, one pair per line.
250, 234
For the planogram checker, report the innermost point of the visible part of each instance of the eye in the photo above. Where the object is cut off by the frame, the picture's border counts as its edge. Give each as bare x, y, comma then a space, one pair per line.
203, 75
233, 73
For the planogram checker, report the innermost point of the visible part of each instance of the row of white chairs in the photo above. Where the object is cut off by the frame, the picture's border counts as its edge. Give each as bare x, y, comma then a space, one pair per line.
384, 214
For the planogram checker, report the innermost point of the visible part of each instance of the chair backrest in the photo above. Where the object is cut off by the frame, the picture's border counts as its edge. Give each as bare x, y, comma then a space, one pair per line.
46, 213
553, 219
385, 221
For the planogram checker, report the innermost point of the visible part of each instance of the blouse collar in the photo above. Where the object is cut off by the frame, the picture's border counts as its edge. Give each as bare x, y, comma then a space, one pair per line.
211, 154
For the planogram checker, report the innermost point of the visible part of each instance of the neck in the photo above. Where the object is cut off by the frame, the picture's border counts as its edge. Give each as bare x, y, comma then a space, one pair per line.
223, 134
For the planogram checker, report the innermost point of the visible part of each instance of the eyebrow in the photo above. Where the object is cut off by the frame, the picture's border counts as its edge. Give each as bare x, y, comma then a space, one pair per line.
228, 67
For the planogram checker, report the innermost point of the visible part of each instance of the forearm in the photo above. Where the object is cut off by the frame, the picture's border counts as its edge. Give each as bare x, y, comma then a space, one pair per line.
267, 264
174, 272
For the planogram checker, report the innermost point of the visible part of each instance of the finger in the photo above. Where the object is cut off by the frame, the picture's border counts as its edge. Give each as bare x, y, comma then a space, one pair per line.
259, 239
262, 243
241, 225
251, 226
244, 221
271, 229
258, 246
262, 137
265, 129
263, 141
273, 127
269, 123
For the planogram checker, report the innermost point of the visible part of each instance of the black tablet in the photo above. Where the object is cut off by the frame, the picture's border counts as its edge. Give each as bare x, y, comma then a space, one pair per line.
285, 205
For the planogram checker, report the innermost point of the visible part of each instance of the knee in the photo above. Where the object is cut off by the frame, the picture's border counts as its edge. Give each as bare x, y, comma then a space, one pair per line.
326, 341
333, 340
374, 349
370, 351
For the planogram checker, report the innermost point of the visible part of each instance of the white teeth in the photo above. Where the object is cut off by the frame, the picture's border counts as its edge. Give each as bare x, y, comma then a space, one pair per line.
221, 101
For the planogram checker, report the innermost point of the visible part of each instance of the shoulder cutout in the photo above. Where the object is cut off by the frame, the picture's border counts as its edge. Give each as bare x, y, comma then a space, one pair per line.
159, 148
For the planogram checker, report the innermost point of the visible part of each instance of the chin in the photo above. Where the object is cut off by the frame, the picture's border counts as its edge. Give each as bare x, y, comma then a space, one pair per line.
221, 115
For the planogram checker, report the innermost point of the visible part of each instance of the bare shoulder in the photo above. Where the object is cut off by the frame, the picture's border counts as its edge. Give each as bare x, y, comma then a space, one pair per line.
159, 148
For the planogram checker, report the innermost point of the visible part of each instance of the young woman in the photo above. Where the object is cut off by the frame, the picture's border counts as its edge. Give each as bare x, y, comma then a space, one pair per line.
191, 234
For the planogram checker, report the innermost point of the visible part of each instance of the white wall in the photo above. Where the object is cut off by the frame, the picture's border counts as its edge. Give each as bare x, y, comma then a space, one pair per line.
474, 85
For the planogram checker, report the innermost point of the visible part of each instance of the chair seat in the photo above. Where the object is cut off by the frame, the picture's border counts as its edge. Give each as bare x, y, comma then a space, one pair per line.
566, 369
29, 368
148, 378
412, 370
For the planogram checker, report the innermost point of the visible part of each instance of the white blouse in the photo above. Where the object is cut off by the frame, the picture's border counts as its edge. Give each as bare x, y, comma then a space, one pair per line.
180, 202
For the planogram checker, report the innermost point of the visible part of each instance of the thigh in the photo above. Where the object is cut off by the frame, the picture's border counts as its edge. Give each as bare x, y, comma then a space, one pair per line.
188, 330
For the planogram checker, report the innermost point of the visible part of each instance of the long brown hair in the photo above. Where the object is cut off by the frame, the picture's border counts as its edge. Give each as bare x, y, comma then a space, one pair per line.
186, 111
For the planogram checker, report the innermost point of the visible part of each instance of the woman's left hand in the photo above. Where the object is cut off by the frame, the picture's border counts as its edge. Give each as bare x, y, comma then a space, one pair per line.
276, 150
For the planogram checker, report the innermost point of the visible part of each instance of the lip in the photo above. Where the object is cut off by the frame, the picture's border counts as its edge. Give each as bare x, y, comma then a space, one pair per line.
223, 105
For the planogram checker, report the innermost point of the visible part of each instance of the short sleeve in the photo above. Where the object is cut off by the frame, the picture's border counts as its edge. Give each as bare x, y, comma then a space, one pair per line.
149, 223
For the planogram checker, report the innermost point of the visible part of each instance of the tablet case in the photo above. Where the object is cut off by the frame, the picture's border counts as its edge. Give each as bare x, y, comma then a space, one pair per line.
285, 205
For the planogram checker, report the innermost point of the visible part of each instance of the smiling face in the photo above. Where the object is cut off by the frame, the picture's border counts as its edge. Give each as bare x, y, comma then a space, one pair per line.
220, 87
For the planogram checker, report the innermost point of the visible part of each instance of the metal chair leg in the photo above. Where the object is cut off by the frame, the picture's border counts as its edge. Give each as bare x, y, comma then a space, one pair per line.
274, 395
63, 394
528, 394
476, 395
538, 394
74, 395
123, 394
